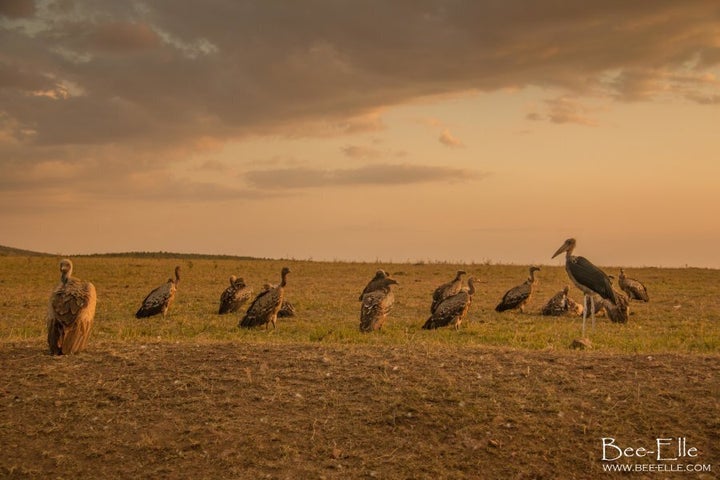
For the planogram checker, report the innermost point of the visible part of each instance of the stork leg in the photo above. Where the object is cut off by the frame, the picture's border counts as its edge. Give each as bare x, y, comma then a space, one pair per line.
592, 311
585, 308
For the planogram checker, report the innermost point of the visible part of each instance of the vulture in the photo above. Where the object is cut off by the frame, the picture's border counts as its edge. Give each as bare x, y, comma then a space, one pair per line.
587, 277
287, 310
633, 288
518, 296
376, 283
159, 300
619, 311
234, 296
557, 305
453, 309
376, 305
561, 304
264, 309
446, 290
70, 313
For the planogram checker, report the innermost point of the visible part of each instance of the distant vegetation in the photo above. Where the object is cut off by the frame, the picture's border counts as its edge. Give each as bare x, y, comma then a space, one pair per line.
8, 251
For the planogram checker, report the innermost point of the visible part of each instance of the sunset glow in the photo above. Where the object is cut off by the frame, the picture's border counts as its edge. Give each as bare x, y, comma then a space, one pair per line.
405, 131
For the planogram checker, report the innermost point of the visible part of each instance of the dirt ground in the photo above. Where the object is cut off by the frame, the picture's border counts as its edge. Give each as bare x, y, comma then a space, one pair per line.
240, 410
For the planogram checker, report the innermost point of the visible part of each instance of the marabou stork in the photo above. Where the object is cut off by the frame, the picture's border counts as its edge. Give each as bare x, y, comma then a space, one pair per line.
587, 277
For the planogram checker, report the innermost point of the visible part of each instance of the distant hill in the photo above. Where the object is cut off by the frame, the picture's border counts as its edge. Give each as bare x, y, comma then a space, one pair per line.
10, 251
198, 256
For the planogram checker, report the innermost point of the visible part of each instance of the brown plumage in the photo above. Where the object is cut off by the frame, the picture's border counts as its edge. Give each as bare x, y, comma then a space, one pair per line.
633, 288
376, 305
619, 311
574, 308
518, 296
234, 296
561, 304
453, 309
447, 290
287, 310
70, 313
264, 309
376, 283
159, 300
557, 305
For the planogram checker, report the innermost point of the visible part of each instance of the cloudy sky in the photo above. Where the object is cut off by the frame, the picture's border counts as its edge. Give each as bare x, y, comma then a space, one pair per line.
456, 130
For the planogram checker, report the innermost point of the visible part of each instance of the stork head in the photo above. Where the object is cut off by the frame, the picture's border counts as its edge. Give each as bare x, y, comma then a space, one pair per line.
66, 268
568, 247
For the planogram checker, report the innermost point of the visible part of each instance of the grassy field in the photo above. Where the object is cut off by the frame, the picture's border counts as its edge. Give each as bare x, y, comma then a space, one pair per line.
193, 396
682, 316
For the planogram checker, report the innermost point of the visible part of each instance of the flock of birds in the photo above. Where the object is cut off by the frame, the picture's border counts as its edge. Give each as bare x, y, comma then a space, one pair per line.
72, 304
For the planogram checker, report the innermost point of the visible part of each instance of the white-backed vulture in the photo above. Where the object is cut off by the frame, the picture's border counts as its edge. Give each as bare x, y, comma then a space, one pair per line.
453, 309
634, 289
376, 283
234, 296
71, 312
446, 290
376, 305
159, 300
264, 309
518, 296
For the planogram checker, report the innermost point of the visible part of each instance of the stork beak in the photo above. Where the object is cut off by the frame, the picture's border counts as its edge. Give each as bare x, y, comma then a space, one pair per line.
560, 250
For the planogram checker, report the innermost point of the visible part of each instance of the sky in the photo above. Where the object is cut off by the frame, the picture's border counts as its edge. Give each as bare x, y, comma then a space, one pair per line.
408, 130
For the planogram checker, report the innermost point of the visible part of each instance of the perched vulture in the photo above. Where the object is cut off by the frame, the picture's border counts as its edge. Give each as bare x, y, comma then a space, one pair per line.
446, 290
376, 305
264, 309
375, 283
633, 288
71, 312
159, 300
518, 296
453, 309
234, 296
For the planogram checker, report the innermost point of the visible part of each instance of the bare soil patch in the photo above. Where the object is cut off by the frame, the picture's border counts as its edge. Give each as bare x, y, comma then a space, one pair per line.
248, 410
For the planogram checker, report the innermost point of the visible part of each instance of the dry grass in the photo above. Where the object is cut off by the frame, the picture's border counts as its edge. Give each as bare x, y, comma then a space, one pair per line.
192, 396
681, 317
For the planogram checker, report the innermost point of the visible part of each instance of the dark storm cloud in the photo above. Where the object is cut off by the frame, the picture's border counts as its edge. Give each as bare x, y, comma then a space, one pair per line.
378, 174
17, 8
159, 76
